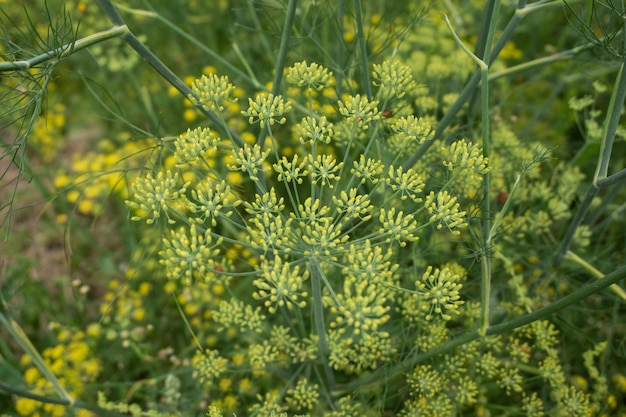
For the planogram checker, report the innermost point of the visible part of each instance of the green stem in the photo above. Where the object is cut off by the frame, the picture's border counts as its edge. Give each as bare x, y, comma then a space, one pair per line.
486, 209
610, 124
471, 85
201, 46
319, 324
363, 45
536, 63
612, 179
483, 65
600, 177
594, 272
22, 339
65, 50
173, 79
340, 47
280, 61
576, 222
261, 35
113, 15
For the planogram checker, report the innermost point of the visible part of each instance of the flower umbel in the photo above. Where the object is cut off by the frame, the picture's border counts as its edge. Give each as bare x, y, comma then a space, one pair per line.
208, 365
209, 200
324, 169
407, 184
444, 210
280, 285
360, 110
267, 109
398, 228
154, 196
190, 257
413, 129
194, 144
310, 76
438, 291
212, 92
315, 130
393, 78
248, 159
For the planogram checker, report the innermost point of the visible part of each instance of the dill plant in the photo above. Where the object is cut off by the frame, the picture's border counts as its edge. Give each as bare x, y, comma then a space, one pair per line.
351, 250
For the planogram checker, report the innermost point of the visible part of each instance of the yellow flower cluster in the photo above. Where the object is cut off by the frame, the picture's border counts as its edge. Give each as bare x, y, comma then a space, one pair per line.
74, 365
95, 176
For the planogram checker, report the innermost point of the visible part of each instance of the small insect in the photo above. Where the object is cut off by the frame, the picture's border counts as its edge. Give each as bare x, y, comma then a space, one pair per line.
502, 196
387, 113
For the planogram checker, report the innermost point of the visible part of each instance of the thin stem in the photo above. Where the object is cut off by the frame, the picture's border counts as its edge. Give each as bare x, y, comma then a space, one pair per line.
340, 48
363, 45
22, 339
201, 46
113, 15
610, 124
65, 50
173, 79
280, 61
483, 65
576, 222
536, 63
262, 39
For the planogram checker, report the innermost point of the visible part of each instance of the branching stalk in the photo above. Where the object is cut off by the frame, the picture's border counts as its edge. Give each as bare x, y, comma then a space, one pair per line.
65, 50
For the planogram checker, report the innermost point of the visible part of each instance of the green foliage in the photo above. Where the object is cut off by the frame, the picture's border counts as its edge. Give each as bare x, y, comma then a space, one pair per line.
342, 215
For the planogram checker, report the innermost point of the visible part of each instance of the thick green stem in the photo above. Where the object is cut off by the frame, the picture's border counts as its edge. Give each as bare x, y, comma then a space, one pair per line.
318, 322
486, 209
